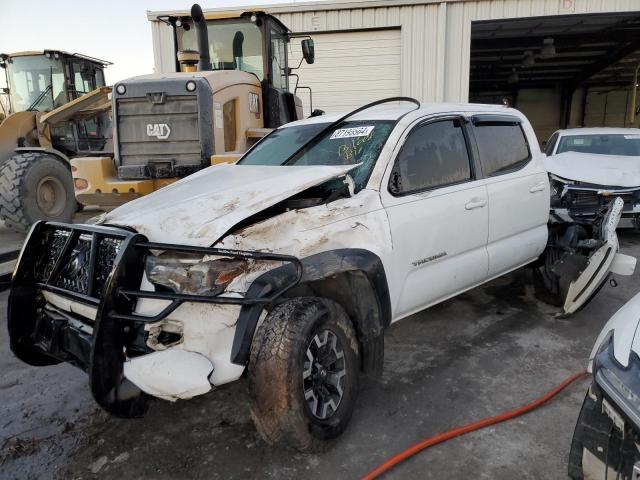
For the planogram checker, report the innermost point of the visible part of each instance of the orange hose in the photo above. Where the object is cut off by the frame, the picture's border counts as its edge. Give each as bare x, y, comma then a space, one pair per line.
456, 432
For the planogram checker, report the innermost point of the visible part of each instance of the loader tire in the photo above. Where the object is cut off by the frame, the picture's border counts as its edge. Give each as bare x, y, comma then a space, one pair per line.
35, 186
303, 374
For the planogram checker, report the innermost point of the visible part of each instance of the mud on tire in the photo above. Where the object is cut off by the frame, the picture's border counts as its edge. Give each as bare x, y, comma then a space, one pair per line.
282, 404
22, 178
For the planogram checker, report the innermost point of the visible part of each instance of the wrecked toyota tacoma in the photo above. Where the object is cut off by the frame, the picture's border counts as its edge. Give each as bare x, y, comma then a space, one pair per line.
289, 266
606, 441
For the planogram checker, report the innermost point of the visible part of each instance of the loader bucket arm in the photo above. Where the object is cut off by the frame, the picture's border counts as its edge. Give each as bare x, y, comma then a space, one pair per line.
15, 126
86, 106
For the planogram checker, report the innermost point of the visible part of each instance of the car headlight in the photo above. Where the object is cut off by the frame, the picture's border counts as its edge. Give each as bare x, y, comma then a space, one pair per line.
622, 385
558, 190
194, 274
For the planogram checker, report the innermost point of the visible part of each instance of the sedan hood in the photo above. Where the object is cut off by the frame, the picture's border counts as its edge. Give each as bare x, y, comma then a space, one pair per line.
201, 208
613, 170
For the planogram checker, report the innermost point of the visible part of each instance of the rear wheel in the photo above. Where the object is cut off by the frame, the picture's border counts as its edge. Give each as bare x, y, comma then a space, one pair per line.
35, 186
303, 373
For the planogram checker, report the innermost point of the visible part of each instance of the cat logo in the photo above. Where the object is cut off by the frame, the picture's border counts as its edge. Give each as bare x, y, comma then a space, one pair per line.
254, 104
159, 130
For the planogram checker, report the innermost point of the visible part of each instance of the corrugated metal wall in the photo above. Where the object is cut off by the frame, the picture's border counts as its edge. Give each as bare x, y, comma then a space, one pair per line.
435, 36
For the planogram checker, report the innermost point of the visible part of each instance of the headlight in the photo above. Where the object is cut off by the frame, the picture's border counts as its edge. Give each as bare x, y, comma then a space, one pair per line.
194, 274
558, 189
191, 86
622, 385
121, 89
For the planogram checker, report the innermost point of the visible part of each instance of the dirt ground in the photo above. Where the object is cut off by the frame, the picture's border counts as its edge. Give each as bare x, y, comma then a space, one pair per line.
486, 351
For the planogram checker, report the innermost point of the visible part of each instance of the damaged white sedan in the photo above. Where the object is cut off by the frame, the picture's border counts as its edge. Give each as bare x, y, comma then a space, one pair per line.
590, 166
290, 265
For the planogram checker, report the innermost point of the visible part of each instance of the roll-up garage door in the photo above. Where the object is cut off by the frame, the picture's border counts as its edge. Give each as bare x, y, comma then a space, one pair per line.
351, 69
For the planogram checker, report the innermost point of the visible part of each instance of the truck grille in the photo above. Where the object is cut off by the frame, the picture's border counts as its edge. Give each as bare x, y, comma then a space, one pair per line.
76, 262
142, 126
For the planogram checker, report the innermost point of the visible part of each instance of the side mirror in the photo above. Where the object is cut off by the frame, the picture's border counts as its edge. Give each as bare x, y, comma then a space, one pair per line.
308, 50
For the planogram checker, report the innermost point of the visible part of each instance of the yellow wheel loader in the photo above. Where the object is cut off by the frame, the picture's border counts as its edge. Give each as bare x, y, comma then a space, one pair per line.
48, 120
230, 88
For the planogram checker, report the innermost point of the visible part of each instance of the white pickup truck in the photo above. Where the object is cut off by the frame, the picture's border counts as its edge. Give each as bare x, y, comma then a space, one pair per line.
290, 264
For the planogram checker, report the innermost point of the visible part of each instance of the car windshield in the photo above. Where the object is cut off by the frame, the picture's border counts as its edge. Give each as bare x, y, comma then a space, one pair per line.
350, 143
603, 144
36, 82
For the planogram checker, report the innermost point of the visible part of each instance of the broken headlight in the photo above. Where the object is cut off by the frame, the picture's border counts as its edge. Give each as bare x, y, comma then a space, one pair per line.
193, 274
558, 190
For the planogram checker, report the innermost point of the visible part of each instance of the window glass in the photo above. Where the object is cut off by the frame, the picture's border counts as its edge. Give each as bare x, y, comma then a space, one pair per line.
82, 77
278, 60
36, 82
350, 143
502, 147
222, 35
433, 155
550, 144
607, 144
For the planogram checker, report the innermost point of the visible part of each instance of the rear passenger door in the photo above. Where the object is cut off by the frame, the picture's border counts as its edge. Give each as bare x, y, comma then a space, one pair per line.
518, 190
437, 209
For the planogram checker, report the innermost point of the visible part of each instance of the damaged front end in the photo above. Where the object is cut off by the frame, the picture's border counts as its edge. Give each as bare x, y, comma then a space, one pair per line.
76, 297
580, 256
585, 201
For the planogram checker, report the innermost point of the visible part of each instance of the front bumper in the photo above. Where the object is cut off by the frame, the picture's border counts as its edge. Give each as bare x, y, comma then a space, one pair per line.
604, 443
67, 263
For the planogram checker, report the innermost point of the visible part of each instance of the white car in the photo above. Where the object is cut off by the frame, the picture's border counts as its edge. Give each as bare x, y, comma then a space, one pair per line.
589, 166
606, 441
291, 264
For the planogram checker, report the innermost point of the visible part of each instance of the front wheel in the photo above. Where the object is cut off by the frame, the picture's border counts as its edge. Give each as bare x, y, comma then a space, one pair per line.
303, 373
35, 186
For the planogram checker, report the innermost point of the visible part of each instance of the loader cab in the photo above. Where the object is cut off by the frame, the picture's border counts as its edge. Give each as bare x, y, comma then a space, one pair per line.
42, 81
254, 42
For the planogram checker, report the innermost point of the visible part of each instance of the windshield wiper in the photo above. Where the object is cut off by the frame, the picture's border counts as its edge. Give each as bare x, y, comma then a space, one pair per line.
38, 100
318, 136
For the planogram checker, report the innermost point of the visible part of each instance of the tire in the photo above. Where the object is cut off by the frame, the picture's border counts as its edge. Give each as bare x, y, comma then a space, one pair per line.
35, 186
282, 407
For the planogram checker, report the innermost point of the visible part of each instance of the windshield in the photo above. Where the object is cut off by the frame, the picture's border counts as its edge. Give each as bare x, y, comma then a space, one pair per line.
604, 144
221, 37
349, 143
36, 82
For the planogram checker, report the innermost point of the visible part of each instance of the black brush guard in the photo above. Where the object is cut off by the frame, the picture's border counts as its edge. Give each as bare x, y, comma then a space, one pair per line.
41, 334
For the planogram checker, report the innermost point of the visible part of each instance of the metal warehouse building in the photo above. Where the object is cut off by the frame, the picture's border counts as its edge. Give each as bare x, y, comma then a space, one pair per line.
562, 62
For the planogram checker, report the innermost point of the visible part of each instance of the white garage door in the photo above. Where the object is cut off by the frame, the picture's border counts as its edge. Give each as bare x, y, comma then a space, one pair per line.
351, 69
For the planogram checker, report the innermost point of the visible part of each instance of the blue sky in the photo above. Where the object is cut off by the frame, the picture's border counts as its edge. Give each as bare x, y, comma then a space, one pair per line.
114, 30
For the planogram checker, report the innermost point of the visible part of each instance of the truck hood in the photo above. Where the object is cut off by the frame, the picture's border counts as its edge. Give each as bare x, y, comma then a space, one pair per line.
202, 207
614, 170
624, 327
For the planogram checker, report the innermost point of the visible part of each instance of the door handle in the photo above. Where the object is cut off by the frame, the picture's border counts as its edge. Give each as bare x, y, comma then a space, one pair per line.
538, 187
476, 203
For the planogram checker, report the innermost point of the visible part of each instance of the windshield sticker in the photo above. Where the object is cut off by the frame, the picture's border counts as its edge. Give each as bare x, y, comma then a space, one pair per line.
632, 137
352, 132
578, 141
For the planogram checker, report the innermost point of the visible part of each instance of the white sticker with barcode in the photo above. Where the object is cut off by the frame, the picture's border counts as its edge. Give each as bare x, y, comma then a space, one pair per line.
352, 132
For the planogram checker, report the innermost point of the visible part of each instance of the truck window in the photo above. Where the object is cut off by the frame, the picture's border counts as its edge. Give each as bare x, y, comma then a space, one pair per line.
278, 60
433, 155
503, 147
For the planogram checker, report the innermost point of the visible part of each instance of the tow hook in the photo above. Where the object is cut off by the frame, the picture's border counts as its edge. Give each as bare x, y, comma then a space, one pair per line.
613, 283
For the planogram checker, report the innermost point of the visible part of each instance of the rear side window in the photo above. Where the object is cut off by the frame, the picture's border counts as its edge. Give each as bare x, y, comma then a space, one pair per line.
502, 146
433, 155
